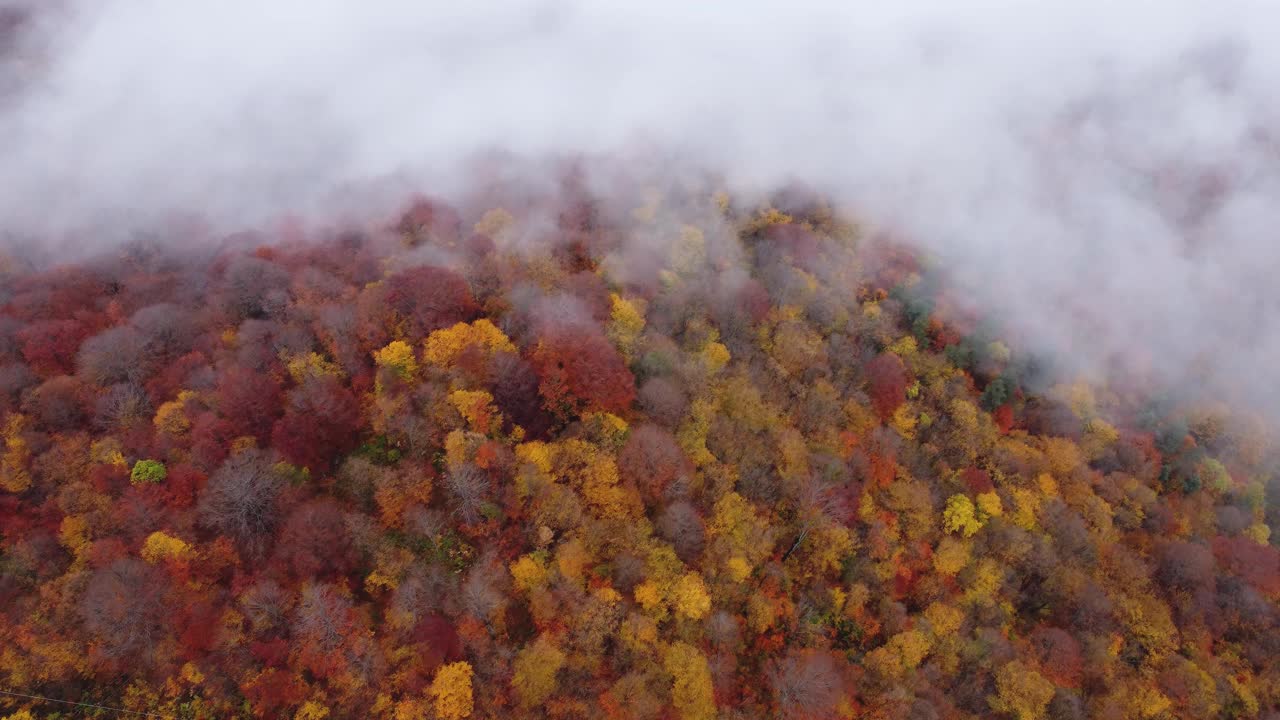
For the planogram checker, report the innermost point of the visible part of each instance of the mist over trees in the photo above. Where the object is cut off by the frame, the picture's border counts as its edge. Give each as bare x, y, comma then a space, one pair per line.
668, 454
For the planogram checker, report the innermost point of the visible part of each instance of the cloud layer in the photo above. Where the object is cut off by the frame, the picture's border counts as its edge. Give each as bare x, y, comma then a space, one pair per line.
1103, 172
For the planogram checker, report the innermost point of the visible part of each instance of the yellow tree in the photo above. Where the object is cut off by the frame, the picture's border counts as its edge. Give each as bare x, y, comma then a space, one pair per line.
691, 682
451, 691
535, 668
1021, 692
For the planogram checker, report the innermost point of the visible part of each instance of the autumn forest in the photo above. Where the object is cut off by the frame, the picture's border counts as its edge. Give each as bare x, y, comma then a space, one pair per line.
666, 455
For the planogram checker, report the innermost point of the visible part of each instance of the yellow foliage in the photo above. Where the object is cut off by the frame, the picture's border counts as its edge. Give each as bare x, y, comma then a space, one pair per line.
715, 357
390, 565
692, 434
607, 429
649, 596
311, 710
311, 365
536, 666
1258, 532
910, 647
451, 690
691, 598
825, 549
638, 631
493, 223
904, 421
571, 558
190, 673
171, 418
398, 355
691, 682
1048, 486
735, 523
986, 583
626, 322
1147, 702
1026, 504
73, 533
108, 452
14, 476
739, 569
943, 619
161, 546
960, 516
904, 347
536, 453
1063, 456
444, 346
989, 504
689, 252
1021, 692
530, 571
476, 407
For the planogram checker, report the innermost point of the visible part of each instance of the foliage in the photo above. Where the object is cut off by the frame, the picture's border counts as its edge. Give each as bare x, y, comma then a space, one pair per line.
708, 460
148, 471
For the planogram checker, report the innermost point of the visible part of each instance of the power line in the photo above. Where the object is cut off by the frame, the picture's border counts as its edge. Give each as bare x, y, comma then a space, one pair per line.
89, 705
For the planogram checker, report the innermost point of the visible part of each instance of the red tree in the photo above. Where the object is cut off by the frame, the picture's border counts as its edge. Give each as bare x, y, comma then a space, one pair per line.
581, 372
887, 384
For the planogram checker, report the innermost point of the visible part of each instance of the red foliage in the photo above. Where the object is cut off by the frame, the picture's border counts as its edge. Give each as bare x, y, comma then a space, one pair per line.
272, 653
412, 303
249, 401
322, 421
314, 542
580, 372
49, 346
273, 691
652, 460
1058, 654
978, 481
886, 384
1258, 565
1003, 416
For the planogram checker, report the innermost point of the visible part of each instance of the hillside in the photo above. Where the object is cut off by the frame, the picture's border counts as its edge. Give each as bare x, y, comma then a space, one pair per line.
541, 457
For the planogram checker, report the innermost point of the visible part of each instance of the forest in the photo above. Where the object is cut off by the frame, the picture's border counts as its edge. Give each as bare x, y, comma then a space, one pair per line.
669, 455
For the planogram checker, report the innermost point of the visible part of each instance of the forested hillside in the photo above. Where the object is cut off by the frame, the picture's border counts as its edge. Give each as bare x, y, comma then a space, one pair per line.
536, 458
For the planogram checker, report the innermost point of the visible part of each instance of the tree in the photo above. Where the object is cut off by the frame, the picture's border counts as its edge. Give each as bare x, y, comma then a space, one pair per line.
412, 303
1021, 692
805, 684
886, 384
115, 355
49, 346
148, 472
536, 667
124, 608
322, 421
451, 691
653, 461
240, 500
581, 372
249, 401
691, 682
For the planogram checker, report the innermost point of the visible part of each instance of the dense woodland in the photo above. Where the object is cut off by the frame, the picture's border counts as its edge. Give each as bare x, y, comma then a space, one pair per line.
545, 456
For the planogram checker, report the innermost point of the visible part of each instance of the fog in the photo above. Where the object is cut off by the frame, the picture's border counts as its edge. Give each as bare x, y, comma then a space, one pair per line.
1103, 174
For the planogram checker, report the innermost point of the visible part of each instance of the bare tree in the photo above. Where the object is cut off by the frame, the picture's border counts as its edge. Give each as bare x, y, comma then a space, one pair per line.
240, 500
122, 405
468, 488
805, 683
124, 608
114, 355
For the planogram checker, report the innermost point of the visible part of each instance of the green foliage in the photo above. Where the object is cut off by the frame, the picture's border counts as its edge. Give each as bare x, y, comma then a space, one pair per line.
148, 472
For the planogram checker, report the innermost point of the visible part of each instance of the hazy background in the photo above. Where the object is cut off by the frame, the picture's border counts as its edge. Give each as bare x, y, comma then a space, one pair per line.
1105, 173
